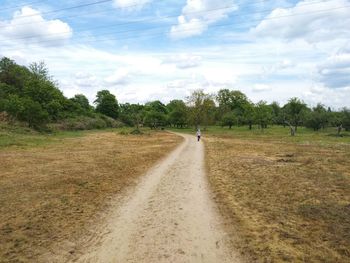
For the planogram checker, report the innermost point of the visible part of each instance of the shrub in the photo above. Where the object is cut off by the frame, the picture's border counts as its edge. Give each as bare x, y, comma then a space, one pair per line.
136, 132
34, 114
4, 117
86, 123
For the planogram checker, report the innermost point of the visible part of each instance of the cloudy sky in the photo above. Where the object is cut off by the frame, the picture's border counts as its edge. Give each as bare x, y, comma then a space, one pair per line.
143, 50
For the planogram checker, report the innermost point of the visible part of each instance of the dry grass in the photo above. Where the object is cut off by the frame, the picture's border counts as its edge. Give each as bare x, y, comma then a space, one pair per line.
50, 193
283, 201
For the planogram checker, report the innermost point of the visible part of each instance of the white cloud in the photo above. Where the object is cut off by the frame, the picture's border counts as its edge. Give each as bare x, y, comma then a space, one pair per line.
312, 26
197, 15
131, 4
187, 28
85, 80
328, 96
261, 88
119, 77
335, 72
28, 26
326, 33
184, 61
286, 63
345, 48
82, 75
210, 83
277, 67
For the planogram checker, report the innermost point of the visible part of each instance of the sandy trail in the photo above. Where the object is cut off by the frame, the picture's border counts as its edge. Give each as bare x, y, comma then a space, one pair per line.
169, 217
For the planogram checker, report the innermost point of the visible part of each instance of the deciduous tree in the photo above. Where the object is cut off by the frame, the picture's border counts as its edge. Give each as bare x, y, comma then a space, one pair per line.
107, 104
229, 119
295, 111
263, 114
178, 113
201, 105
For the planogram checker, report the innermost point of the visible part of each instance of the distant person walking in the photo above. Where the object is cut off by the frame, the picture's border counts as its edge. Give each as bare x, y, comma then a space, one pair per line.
198, 135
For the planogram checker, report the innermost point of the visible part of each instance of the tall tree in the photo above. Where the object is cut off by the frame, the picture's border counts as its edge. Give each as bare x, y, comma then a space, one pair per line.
263, 114
248, 116
232, 100
295, 111
13, 75
40, 71
131, 114
336, 120
317, 118
201, 105
157, 106
224, 100
178, 113
83, 101
107, 104
229, 119
155, 114
276, 113
346, 118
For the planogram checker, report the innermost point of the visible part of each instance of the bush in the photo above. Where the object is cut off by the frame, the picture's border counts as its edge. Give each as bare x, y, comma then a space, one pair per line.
86, 123
110, 122
4, 117
2, 105
124, 132
34, 114
136, 132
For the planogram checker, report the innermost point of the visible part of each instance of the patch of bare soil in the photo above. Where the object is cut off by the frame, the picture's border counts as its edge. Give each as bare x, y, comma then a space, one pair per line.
52, 194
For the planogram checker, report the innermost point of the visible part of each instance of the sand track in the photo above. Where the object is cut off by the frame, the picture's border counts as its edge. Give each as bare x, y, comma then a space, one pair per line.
168, 217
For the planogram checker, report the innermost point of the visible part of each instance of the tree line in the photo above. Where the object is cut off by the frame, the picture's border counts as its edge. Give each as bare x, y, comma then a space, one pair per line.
30, 95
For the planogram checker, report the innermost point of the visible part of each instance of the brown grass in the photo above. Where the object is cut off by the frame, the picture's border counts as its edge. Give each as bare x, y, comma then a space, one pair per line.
51, 193
283, 202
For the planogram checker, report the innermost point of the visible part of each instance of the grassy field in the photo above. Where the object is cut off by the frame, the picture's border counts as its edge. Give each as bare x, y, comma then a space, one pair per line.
275, 133
20, 137
284, 199
52, 187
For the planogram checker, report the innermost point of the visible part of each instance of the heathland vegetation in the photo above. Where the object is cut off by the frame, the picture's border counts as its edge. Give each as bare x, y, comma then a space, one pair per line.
31, 96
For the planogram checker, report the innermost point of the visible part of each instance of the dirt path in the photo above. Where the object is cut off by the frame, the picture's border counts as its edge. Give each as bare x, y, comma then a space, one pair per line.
169, 217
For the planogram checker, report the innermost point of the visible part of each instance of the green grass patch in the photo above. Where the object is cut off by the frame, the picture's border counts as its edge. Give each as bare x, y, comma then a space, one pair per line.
274, 134
23, 137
